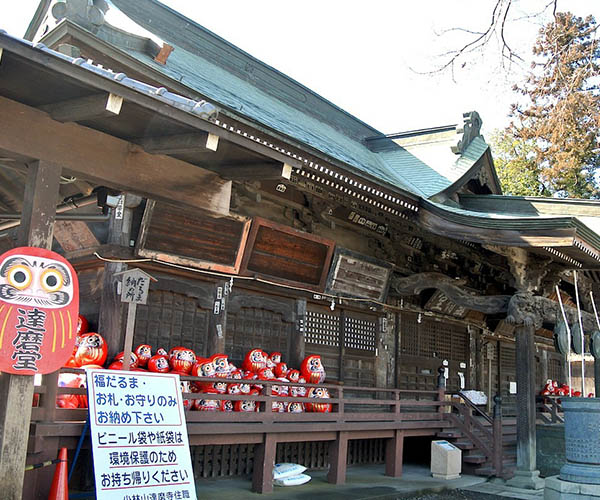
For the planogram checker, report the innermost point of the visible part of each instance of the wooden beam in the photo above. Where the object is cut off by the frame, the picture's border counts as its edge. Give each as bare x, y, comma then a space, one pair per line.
85, 108
255, 171
197, 142
74, 235
16, 391
107, 160
89, 78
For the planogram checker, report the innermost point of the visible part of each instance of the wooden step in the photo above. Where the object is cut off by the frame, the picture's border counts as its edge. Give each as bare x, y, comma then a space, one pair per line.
464, 445
475, 459
450, 433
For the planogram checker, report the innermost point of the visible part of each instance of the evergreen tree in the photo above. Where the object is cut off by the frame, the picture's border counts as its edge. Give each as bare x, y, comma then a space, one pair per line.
553, 143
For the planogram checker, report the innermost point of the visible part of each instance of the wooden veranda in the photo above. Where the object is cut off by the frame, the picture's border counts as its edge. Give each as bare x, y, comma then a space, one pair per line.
357, 413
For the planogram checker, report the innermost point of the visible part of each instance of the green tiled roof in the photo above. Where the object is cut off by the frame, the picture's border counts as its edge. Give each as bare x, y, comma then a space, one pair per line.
322, 126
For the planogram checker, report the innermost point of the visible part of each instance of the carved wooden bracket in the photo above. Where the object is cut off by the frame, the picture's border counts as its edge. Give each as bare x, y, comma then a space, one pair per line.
523, 308
530, 310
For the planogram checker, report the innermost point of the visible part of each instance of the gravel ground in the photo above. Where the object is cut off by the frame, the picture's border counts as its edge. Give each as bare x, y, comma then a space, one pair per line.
451, 495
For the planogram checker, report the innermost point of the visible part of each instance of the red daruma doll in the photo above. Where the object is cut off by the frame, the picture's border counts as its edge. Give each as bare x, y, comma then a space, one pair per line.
82, 325
158, 364
39, 307
318, 393
312, 369
92, 350
182, 359
255, 360
144, 353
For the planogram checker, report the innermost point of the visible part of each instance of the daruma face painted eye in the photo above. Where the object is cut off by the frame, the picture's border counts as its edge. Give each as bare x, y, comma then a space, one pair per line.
19, 276
52, 280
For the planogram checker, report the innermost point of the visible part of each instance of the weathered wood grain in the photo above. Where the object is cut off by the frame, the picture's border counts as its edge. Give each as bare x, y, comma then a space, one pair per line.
107, 160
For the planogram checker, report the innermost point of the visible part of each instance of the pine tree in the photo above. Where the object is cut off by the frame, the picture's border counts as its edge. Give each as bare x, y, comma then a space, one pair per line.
557, 125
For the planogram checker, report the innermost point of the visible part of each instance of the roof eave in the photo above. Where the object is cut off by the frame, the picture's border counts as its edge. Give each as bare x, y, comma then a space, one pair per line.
67, 28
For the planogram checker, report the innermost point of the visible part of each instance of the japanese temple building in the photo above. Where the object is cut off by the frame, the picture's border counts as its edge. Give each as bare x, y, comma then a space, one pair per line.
389, 255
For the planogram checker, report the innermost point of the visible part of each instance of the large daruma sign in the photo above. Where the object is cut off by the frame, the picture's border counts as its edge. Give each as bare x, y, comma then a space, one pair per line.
39, 306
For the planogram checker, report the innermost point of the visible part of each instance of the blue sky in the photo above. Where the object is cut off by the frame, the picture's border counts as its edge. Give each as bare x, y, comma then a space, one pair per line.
366, 56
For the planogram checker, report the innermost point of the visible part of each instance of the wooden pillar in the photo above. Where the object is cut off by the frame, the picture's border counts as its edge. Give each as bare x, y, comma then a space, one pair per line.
473, 380
597, 377
480, 366
397, 349
16, 391
338, 453
218, 319
264, 460
499, 371
38, 481
526, 475
342, 351
110, 321
393, 454
544, 366
298, 341
381, 353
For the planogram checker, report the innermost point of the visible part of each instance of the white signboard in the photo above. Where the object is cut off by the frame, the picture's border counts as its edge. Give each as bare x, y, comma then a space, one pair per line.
139, 436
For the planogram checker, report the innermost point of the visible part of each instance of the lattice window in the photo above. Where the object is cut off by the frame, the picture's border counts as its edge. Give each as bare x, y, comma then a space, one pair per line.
443, 339
555, 368
360, 334
427, 341
460, 344
322, 329
507, 359
171, 319
409, 334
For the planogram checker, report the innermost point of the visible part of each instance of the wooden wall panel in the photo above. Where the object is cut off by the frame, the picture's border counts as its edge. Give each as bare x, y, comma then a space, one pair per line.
192, 237
285, 255
90, 290
366, 451
172, 319
254, 321
219, 461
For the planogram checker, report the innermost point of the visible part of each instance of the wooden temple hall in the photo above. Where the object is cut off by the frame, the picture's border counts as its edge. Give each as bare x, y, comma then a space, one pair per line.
273, 219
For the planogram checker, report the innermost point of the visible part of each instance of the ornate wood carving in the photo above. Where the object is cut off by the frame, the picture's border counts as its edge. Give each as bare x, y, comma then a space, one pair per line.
528, 309
416, 283
523, 308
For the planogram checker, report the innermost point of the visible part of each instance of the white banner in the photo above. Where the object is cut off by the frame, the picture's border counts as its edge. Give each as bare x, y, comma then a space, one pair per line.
139, 436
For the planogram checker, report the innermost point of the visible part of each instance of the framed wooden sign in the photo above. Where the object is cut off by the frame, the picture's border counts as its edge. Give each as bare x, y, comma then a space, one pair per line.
192, 238
288, 256
440, 303
356, 275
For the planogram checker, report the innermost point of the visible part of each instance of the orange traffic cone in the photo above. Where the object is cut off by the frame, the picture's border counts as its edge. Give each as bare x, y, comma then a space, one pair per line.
60, 486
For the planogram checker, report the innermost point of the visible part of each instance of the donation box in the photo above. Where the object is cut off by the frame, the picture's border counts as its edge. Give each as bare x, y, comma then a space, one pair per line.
445, 460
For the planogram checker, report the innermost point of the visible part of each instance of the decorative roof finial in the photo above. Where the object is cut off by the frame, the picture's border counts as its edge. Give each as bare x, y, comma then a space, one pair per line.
471, 128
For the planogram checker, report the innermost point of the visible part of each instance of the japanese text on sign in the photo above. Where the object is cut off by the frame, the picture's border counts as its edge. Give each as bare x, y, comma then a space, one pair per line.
135, 289
139, 436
